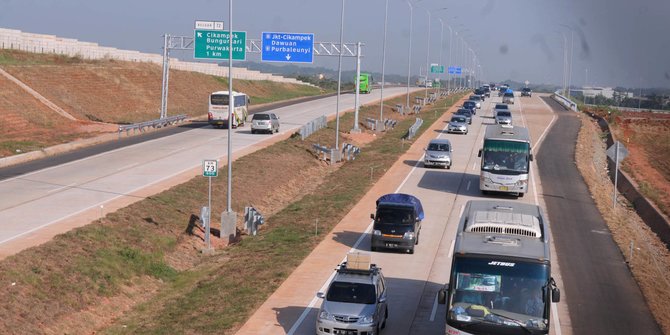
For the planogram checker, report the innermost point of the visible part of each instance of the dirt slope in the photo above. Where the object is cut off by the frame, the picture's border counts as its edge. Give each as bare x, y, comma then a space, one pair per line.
103, 91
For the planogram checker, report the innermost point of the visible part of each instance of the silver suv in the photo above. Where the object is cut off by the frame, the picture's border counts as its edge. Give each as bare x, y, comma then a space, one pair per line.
438, 153
355, 303
266, 122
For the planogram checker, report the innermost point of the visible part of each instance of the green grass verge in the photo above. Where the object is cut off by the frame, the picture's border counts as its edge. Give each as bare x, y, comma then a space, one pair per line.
76, 270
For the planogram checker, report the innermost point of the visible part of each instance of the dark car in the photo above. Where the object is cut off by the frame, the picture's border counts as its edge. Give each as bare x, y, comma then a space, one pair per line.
472, 105
481, 92
465, 112
397, 223
525, 92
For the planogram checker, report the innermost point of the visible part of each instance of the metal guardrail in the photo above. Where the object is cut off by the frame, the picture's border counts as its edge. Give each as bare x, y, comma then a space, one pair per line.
567, 103
399, 108
350, 151
414, 128
158, 123
326, 152
374, 124
416, 109
252, 219
312, 126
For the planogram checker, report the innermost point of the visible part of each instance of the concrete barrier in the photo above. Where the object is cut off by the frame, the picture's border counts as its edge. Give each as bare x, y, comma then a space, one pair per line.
41, 43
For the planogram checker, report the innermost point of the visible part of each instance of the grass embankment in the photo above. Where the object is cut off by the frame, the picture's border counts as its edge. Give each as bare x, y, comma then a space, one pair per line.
650, 262
97, 277
108, 91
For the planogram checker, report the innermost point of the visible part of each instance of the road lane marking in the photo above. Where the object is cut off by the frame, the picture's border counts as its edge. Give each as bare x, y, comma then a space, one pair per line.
467, 188
434, 311
451, 249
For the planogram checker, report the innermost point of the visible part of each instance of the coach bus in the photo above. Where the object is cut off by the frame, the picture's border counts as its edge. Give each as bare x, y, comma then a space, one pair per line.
506, 157
218, 109
500, 280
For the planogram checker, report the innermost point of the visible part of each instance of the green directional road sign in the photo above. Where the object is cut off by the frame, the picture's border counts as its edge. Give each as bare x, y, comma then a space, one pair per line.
213, 44
436, 68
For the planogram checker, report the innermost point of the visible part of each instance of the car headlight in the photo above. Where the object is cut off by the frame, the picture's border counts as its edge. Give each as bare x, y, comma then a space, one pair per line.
408, 235
521, 182
377, 232
485, 180
366, 319
324, 315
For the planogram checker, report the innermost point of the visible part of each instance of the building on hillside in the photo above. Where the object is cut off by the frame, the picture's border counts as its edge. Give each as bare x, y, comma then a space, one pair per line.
592, 92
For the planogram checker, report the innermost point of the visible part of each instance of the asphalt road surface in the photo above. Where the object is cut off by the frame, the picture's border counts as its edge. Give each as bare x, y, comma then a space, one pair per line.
79, 191
603, 298
413, 280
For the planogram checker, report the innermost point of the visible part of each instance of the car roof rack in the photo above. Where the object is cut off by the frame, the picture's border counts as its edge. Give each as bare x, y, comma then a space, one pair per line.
358, 263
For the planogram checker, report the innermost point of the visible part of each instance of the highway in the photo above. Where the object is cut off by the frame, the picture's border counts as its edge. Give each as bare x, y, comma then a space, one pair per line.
599, 293
413, 280
55, 199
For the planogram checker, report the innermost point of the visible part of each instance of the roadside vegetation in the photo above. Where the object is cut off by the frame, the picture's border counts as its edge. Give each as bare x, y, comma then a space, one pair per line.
139, 270
101, 94
649, 259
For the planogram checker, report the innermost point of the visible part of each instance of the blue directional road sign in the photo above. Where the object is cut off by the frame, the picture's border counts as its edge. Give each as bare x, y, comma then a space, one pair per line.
455, 70
287, 47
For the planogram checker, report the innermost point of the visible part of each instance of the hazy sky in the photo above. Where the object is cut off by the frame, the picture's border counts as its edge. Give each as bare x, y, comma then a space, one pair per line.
620, 42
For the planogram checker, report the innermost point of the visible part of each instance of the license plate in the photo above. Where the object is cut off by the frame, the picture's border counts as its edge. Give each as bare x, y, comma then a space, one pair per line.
503, 188
391, 245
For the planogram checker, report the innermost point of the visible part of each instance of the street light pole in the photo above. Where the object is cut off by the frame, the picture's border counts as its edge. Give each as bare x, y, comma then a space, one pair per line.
339, 82
231, 105
409, 50
449, 60
381, 99
441, 46
427, 56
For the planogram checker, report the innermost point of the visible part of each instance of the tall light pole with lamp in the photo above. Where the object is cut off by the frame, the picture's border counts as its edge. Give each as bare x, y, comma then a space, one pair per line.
339, 82
427, 55
381, 99
409, 49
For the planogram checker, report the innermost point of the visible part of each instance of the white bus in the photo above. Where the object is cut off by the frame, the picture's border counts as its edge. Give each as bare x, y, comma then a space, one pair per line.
218, 109
500, 280
506, 158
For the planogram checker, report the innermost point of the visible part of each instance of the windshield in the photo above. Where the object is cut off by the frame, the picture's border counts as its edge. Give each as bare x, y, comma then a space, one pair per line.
438, 147
500, 292
355, 293
261, 117
505, 157
458, 119
466, 112
504, 114
468, 104
501, 106
395, 215
509, 94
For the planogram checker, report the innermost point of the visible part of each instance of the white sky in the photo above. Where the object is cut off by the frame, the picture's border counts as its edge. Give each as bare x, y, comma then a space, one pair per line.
621, 42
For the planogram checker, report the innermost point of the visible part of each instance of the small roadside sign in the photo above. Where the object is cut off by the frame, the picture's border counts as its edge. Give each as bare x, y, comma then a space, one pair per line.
210, 168
209, 25
612, 151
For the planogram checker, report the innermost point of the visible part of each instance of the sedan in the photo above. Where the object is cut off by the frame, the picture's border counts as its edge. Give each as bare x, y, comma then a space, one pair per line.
472, 105
465, 112
458, 124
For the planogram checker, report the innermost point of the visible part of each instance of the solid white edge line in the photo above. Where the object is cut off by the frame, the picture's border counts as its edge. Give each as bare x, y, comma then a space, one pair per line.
434, 311
305, 312
467, 188
554, 306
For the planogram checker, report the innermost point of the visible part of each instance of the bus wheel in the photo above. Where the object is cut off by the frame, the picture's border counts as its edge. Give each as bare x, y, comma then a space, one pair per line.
520, 194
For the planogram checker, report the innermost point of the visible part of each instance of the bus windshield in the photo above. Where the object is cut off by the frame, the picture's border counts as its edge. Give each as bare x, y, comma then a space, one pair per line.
506, 293
505, 157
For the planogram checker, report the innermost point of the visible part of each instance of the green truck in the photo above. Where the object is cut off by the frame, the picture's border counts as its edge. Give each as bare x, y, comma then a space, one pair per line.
365, 83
